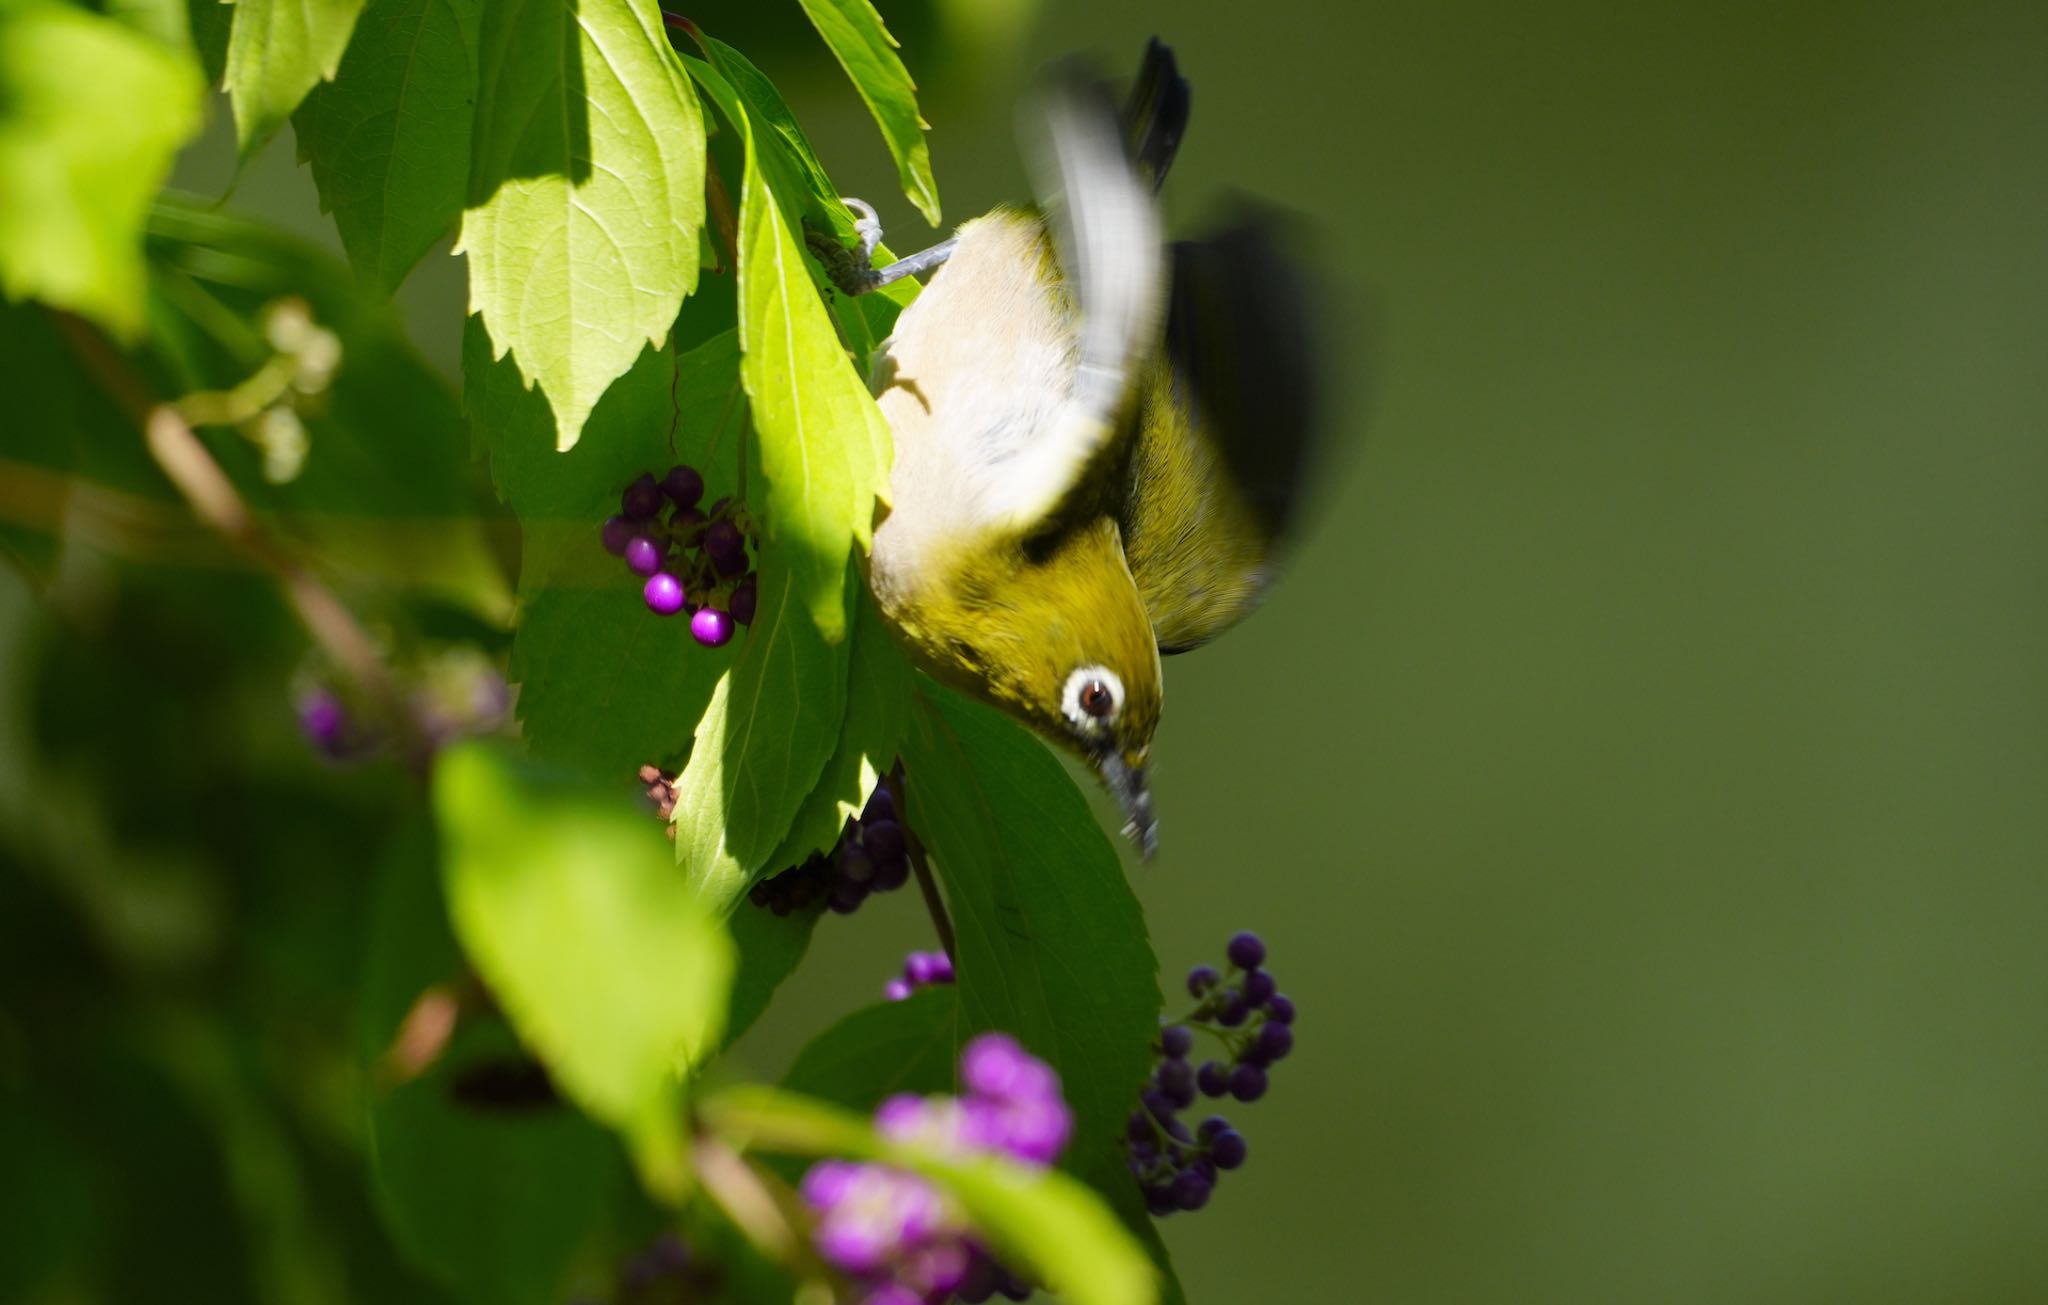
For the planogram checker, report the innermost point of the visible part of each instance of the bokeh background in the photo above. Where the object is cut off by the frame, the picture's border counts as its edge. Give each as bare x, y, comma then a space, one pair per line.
1641, 777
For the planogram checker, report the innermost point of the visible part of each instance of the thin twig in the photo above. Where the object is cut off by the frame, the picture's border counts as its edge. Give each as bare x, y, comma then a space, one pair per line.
920, 865
765, 1216
184, 458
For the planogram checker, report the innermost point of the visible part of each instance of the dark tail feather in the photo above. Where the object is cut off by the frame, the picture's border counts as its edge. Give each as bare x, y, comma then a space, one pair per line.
1157, 114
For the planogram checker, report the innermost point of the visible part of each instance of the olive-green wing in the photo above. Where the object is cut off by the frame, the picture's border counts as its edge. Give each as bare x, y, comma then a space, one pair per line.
1225, 433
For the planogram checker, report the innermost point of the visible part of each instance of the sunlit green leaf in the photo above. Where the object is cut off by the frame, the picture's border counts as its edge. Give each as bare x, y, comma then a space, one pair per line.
91, 115
570, 909
1052, 946
388, 139
586, 193
277, 51
761, 745
865, 49
1054, 1227
825, 448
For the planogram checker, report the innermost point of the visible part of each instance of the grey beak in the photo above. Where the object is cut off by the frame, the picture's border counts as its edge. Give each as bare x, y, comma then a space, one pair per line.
1127, 784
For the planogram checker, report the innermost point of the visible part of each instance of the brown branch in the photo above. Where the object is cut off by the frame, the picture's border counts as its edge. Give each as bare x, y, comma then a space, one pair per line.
184, 458
920, 865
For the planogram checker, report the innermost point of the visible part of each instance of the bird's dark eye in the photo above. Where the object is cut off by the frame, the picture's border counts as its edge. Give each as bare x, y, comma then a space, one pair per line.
1097, 700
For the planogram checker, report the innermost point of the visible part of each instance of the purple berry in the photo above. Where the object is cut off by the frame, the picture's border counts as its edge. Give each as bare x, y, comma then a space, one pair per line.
882, 838
1212, 1128
1247, 1082
642, 498
1176, 1079
855, 866
1280, 1009
664, 594
924, 967
744, 600
1176, 1042
1227, 1149
880, 805
683, 486
1190, 1191
687, 519
324, 722
643, 555
1274, 1042
711, 627
892, 874
1233, 1009
1258, 987
1159, 1201
723, 540
1246, 951
730, 565
1213, 1079
615, 532
895, 990
1201, 979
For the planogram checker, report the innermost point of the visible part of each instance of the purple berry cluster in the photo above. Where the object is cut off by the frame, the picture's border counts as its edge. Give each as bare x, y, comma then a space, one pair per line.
872, 856
683, 550
1242, 1009
920, 970
894, 1234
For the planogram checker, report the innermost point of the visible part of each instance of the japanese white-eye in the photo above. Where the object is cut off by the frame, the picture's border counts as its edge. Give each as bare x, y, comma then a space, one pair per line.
1098, 438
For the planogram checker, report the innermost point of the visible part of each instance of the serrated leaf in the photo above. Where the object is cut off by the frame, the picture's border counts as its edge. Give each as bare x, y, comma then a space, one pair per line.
571, 912
277, 51
586, 193
91, 115
764, 739
863, 46
388, 139
877, 709
892, 1046
1051, 943
1053, 1226
825, 448
606, 686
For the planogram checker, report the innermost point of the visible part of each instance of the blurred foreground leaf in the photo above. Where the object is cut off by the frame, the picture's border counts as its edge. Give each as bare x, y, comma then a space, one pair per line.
571, 911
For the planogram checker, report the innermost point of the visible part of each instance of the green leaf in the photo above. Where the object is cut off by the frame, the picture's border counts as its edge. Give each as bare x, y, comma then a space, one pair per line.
388, 139
570, 910
865, 49
387, 494
770, 947
825, 448
277, 51
494, 1203
91, 115
892, 1046
1040, 1219
586, 193
1051, 942
605, 685
877, 706
764, 739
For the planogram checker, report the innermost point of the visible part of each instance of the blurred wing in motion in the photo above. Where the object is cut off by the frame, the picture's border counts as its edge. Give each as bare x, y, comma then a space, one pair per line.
1225, 435
1156, 116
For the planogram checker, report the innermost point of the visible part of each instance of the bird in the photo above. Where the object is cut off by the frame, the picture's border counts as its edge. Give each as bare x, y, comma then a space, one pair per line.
1101, 439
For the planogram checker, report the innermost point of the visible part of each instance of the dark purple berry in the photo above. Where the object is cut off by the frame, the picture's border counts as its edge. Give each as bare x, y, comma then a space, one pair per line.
688, 519
683, 486
744, 600
1213, 1079
1246, 951
846, 896
615, 532
1258, 987
1159, 1201
1201, 979
1227, 1149
642, 498
881, 806
892, 874
1190, 1191
1139, 1128
1247, 1082
1176, 1078
1280, 1009
1212, 1128
1274, 1042
854, 864
1176, 1041
1157, 1102
1233, 1010
711, 627
664, 594
730, 564
882, 838
643, 555
723, 540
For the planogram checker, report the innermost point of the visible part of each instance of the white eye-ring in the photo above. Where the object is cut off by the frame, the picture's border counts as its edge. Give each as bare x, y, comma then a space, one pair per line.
1093, 697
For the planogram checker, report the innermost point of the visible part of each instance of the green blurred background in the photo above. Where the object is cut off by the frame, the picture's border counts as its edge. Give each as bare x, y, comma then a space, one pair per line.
1641, 779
